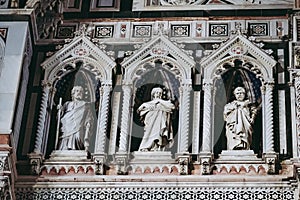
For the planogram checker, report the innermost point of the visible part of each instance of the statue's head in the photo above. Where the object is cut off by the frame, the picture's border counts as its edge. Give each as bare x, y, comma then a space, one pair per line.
77, 93
156, 93
239, 93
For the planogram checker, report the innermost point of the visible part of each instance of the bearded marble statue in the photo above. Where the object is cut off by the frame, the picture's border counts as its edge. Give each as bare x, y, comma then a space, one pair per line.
158, 133
76, 122
239, 116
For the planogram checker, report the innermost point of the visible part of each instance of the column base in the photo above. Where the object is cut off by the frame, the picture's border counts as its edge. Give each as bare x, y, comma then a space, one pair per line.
205, 159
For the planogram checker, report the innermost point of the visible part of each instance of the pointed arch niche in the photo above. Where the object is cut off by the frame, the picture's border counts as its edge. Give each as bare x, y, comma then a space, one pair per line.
79, 63
158, 63
238, 62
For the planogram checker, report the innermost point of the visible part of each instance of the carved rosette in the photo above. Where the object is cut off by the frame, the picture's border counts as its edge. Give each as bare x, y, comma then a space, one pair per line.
206, 144
127, 92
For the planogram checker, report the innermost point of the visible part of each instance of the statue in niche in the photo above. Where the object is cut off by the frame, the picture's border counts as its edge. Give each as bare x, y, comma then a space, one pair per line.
158, 133
239, 116
76, 122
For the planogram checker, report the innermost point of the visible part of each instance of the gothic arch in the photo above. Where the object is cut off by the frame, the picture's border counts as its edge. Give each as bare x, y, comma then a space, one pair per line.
174, 60
253, 59
94, 65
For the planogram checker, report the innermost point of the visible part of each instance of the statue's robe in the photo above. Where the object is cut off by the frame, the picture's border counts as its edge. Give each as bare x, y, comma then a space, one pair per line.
237, 115
158, 128
77, 117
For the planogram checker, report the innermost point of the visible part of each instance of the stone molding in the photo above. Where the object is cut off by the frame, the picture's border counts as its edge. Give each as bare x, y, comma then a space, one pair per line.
157, 189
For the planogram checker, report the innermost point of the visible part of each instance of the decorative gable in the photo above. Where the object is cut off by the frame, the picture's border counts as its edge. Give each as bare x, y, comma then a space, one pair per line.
159, 48
80, 49
239, 47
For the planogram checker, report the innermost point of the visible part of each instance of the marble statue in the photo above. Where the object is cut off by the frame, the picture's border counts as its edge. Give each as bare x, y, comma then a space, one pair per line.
239, 116
76, 122
158, 132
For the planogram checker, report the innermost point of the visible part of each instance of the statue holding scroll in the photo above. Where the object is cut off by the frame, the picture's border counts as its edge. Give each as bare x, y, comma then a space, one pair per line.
76, 122
239, 116
158, 133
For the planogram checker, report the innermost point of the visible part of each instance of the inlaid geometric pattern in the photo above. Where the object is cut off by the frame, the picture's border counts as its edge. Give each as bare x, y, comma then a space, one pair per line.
142, 30
66, 31
180, 30
104, 31
258, 29
161, 193
218, 29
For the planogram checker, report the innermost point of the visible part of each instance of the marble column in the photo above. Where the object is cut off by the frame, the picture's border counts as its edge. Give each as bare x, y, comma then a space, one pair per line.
121, 156
183, 139
295, 108
206, 155
99, 156
43, 115
125, 119
268, 129
207, 135
196, 122
103, 119
269, 155
36, 157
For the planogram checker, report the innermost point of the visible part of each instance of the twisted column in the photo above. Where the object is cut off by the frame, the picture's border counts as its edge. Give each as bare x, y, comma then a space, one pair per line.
42, 118
196, 122
125, 120
268, 117
184, 118
206, 140
102, 122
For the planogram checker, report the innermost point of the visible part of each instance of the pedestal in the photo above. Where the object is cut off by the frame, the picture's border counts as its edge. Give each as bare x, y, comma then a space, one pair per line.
152, 157
240, 162
68, 162
238, 155
68, 155
153, 162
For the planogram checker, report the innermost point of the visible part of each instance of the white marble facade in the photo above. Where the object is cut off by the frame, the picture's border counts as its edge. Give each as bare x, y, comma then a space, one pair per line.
165, 60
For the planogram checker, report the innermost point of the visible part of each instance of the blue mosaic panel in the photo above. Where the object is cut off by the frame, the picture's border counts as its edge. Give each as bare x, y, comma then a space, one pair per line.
180, 30
258, 29
142, 31
218, 30
104, 31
